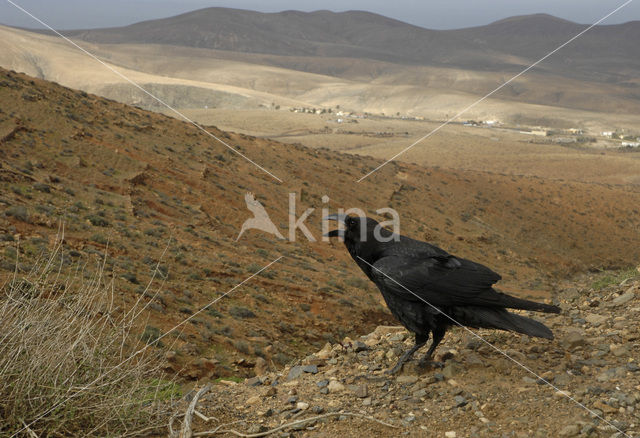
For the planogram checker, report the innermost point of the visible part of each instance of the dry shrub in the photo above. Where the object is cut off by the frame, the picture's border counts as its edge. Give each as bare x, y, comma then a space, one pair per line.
70, 360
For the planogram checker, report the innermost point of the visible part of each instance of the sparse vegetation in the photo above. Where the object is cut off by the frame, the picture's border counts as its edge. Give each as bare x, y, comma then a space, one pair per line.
67, 366
615, 278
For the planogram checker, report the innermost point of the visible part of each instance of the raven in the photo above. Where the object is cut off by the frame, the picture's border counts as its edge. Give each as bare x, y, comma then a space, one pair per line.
428, 290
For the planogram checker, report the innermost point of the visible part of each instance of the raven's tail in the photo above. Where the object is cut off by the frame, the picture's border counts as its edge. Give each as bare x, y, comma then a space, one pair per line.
512, 302
497, 318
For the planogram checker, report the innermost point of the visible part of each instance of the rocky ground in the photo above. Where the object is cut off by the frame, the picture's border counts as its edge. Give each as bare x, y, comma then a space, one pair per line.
592, 369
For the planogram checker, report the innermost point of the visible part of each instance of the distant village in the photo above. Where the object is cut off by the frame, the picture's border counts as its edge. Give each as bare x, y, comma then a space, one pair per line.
558, 136
564, 136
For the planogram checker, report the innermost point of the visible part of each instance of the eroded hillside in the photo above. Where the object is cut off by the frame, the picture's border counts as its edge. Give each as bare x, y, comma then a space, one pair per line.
146, 190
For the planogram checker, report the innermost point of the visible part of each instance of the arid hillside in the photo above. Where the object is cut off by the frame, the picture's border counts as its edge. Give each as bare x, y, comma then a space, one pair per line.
150, 194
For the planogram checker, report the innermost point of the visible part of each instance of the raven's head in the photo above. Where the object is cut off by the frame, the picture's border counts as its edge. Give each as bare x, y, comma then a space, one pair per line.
360, 234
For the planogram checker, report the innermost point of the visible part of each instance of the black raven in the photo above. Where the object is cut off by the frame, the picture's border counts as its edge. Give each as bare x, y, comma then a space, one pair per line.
428, 290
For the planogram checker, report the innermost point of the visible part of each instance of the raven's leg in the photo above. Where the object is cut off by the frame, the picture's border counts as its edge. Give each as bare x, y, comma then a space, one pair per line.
438, 334
421, 339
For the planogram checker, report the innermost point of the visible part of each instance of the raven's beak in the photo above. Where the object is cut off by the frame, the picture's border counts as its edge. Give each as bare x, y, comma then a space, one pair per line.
335, 233
339, 218
336, 217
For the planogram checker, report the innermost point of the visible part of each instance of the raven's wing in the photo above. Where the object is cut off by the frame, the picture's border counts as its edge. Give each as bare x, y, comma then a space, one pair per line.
439, 280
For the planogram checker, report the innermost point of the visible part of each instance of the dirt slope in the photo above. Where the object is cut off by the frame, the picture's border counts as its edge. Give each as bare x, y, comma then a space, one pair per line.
142, 189
479, 392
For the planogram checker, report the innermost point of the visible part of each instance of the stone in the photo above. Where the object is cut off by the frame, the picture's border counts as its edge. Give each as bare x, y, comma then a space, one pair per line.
460, 401
361, 391
254, 381
420, 393
366, 401
633, 367
622, 299
570, 430
312, 369
573, 340
383, 330
359, 346
620, 350
562, 380
595, 319
398, 337
294, 373
450, 434
335, 386
473, 360
322, 383
303, 406
407, 380
452, 368
253, 400
325, 353
260, 367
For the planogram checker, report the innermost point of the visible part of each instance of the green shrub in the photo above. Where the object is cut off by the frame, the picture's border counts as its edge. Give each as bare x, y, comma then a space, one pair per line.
18, 212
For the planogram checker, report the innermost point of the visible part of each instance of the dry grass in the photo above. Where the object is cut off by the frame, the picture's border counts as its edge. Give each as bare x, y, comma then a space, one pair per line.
70, 360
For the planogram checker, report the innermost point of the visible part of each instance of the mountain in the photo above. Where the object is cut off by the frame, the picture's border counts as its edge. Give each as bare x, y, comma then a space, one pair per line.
353, 34
603, 53
148, 196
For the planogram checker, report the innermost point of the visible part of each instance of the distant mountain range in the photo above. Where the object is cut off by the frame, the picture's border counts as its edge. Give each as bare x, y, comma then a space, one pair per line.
606, 53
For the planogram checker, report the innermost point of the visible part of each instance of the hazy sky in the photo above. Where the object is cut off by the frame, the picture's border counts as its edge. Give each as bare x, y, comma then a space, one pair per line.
435, 14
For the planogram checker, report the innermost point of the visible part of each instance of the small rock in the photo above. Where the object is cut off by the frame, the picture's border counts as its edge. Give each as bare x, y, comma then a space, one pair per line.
361, 391
595, 319
409, 419
420, 393
450, 434
473, 360
622, 299
312, 369
452, 368
359, 346
562, 380
294, 373
407, 380
570, 430
303, 406
254, 381
366, 401
291, 400
573, 340
620, 350
382, 330
317, 409
256, 428
325, 353
322, 383
460, 401
253, 400
633, 367
260, 367
335, 386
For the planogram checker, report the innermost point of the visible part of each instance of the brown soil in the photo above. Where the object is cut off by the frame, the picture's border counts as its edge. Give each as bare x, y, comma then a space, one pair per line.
143, 189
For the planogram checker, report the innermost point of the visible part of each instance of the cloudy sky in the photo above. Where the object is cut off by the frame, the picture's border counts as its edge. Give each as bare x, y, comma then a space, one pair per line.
435, 14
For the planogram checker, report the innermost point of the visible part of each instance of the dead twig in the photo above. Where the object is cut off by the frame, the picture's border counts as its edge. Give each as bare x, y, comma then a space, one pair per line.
172, 433
186, 432
203, 417
31, 433
218, 430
